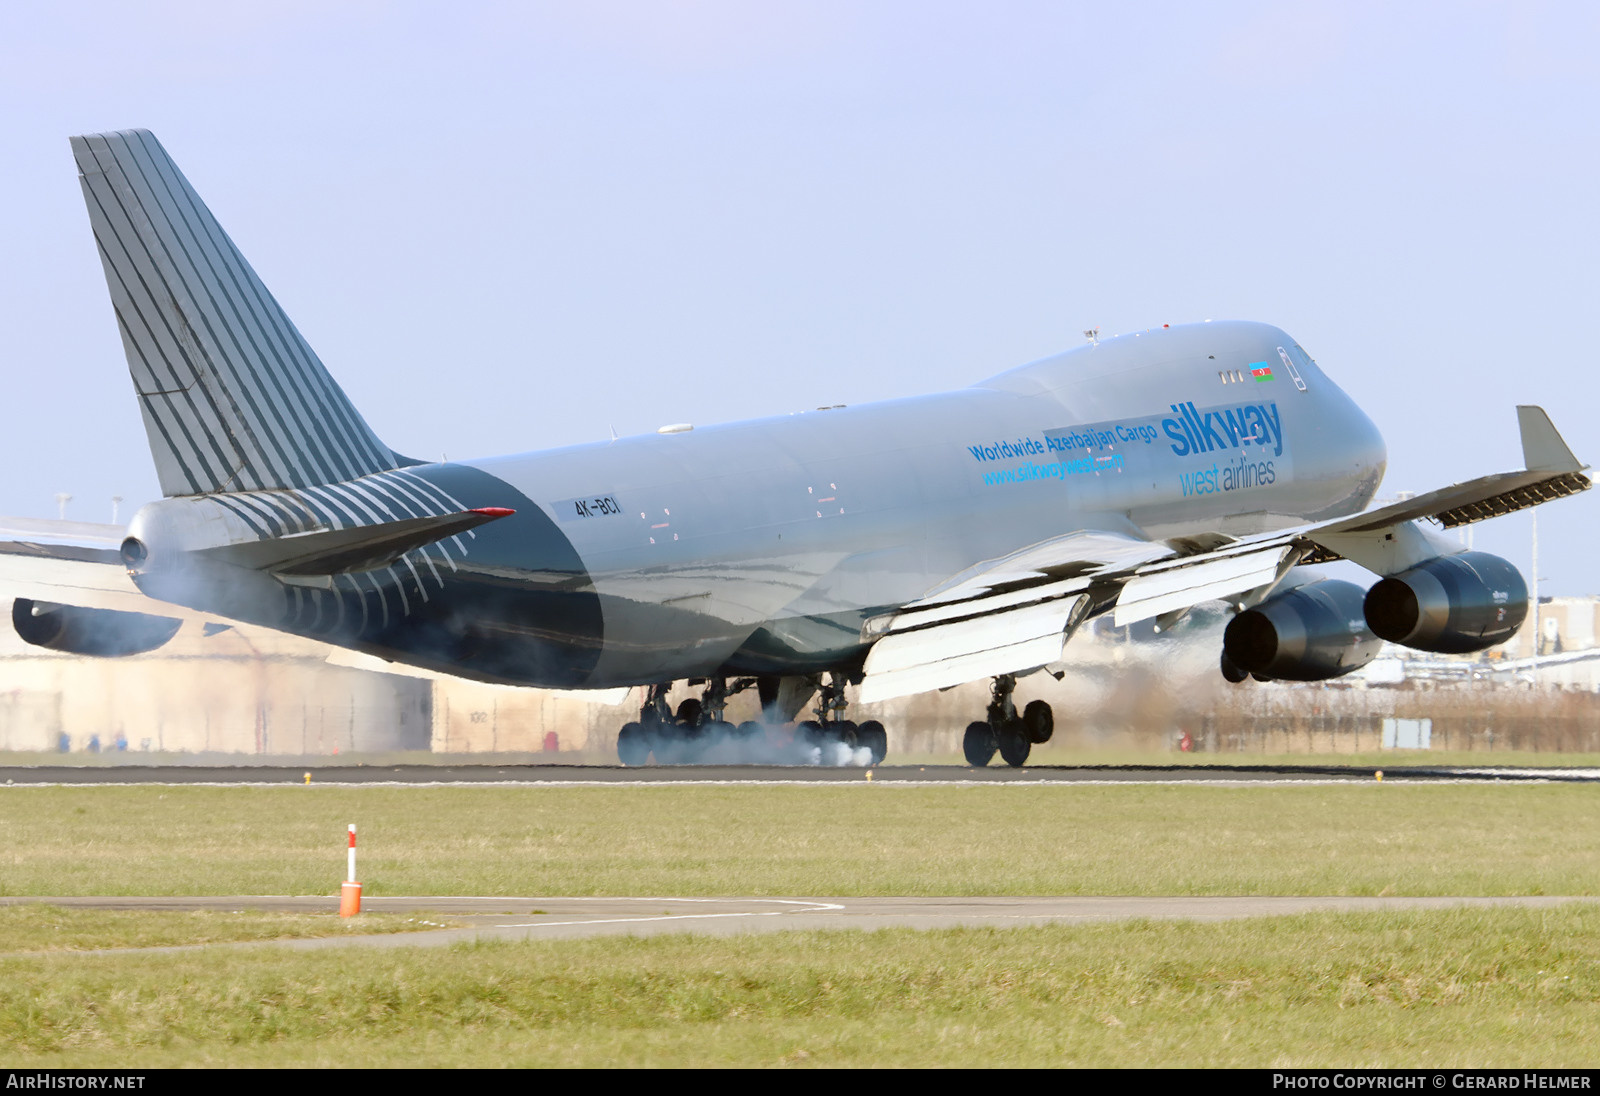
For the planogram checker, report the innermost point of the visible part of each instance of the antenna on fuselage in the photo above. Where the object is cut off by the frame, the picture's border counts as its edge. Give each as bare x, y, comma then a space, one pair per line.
1093, 335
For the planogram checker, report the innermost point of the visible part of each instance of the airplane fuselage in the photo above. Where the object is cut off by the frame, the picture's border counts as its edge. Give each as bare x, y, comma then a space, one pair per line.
762, 546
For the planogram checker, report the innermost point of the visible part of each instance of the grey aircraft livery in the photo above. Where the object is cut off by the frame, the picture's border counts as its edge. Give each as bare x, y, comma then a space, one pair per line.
890, 548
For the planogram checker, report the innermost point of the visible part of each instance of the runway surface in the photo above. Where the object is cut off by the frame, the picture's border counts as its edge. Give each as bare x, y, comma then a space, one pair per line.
763, 774
554, 918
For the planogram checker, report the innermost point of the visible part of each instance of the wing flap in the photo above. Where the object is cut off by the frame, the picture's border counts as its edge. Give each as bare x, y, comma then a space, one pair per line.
943, 655
1148, 595
1083, 551
951, 612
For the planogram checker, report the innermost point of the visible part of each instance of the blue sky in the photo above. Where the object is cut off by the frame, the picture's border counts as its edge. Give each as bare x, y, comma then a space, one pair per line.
512, 226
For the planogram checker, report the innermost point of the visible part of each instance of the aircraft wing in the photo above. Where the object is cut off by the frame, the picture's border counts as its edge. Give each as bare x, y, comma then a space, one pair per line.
73, 563
1016, 613
80, 565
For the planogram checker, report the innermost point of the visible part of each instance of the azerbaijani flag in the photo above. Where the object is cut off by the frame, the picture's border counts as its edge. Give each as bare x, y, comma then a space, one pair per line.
1261, 371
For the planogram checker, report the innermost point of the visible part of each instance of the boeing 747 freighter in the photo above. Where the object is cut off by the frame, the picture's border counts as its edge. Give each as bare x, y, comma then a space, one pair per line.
889, 548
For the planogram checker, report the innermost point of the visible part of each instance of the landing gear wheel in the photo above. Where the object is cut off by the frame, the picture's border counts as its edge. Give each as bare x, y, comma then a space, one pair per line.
690, 712
633, 744
1038, 721
838, 741
808, 734
668, 743
743, 739
1014, 744
872, 735
978, 744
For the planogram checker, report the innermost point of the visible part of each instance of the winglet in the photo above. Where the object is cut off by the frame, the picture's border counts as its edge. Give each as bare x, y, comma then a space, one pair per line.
1542, 447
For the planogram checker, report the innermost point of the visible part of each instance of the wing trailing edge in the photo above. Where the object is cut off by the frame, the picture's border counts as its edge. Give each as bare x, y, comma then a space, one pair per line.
949, 653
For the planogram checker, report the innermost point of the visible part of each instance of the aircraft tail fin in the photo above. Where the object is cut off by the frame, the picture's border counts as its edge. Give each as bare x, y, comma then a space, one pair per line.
233, 397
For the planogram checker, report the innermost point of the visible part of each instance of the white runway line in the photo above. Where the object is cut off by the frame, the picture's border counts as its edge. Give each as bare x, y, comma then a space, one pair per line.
1510, 775
809, 907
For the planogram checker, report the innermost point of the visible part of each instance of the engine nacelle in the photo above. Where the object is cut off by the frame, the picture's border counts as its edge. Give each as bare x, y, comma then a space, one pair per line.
1450, 605
103, 632
1310, 633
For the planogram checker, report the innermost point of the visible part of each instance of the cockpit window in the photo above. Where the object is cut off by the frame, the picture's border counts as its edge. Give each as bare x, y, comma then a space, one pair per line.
1288, 363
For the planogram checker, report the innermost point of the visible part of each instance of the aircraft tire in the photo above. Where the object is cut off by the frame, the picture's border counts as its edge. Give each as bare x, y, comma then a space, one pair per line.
694, 739
872, 735
1039, 721
717, 735
667, 743
808, 732
978, 744
691, 712
744, 737
1014, 744
633, 745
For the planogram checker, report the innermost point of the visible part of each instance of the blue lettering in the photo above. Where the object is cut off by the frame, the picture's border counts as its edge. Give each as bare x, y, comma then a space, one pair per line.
1178, 438
1258, 431
1277, 428
1195, 443
1234, 426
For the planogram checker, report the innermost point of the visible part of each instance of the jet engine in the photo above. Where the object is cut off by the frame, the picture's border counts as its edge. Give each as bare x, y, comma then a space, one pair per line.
1450, 605
104, 632
1310, 633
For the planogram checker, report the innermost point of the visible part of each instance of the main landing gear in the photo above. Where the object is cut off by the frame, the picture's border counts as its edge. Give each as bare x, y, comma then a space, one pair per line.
684, 735
837, 738
1004, 730
698, 731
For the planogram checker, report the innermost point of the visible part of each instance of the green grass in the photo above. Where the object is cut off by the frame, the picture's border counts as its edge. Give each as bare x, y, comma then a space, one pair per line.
36, 927
1495, 987
849, 840
1490, 987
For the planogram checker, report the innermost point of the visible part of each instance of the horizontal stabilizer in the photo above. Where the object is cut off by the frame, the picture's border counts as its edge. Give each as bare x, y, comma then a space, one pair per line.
347, 551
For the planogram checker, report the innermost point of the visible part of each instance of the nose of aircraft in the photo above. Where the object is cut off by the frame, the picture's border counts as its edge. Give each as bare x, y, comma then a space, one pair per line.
1368, 454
